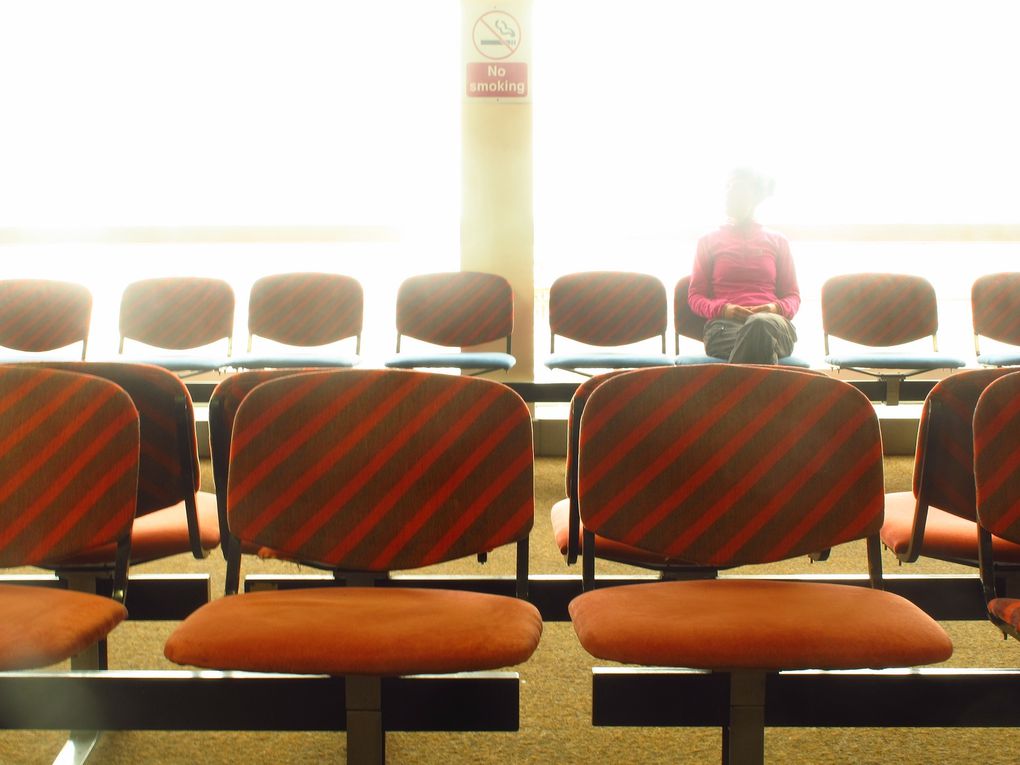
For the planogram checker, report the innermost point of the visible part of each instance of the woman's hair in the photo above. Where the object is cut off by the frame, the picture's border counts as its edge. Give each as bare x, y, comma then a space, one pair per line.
760, 182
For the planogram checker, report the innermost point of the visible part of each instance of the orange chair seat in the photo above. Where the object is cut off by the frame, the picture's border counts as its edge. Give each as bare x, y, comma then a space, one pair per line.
608, 549
946, 535
763, 625
43, 625
162, 534
358, 631
1007, 610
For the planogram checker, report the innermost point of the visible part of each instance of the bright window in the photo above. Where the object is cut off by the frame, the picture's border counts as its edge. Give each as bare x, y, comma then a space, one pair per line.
230, 114
865, 113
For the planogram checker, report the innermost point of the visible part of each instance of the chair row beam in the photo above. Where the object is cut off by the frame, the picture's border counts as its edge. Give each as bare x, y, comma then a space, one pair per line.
113, 700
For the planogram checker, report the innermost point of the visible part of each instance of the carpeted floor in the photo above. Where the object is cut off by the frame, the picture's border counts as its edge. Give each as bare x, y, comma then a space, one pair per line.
555, 693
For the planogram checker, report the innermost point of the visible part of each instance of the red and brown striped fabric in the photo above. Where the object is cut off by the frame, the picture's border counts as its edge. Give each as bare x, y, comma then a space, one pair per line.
306, 309
685, 321
577, 403
226, 400
165, 411
727, 465
177, 312
381, 469
997, 457
879, 309
607, 307
68, 464
42, 315
944, 460
223, 405
995, 302
461, 308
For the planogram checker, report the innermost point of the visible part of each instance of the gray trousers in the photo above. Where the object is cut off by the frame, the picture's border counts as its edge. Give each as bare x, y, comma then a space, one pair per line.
763, 339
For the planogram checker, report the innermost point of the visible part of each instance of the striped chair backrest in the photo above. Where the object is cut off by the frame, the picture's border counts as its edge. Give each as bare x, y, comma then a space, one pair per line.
224, 402
43, 315
68, 464
879, 309
685, 321
177, 312
944, 458
168, 467
459, 308
995, 303
607, 307
727, 465
997, 457
306, 309
577, 403
381, 469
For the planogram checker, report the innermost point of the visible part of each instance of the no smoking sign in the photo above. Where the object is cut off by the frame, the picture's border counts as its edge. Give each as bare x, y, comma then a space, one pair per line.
497, 35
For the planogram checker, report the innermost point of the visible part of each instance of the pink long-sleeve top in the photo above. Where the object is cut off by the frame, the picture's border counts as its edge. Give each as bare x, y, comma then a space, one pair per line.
744, 266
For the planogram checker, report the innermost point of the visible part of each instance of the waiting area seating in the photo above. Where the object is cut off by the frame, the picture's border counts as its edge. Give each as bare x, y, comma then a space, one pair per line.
370, 474
304, 311
318, 474
671, 468
69, 471
38, 315
883, 311
178, 313
172, 515
459, 309
996, 460
995, 307
606, 309
302, 320
937, 519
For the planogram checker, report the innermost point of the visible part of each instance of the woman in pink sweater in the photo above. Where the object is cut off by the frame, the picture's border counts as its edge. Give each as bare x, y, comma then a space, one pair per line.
743, 281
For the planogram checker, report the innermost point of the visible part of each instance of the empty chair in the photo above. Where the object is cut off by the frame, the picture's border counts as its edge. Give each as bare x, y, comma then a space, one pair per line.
363, 472
461, 309
68, 471
607, 309
936, 519
995, 306
565, 515
179, 313
882, 311
996, 468
731, 465
689, 324
39, 315
173, 516
306, 311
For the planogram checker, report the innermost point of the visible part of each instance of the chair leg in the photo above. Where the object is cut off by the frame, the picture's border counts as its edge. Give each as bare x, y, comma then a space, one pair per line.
744, 737
77, 748
80, 743
892, 389
366, 739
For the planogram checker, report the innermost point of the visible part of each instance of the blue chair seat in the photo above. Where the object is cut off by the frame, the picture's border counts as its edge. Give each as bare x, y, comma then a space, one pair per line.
294, 361
606, 361
999, 359
905, 361
502, 361
786, 361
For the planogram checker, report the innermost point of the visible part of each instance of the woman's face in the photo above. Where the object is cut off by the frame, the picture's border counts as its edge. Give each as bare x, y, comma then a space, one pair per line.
742, 197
